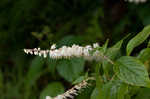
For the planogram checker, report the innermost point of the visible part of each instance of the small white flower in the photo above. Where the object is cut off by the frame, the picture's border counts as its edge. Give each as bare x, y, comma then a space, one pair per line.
31, 52
40, 54
44, 54
25, 50
89, 47
95, 45
53, 47
38, 49
59, 97
48, 97
35, 51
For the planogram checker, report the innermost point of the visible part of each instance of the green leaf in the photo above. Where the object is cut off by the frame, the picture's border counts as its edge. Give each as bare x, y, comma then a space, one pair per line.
95, 94
127, 96
111, 53
138, 39
104, 47
113, 90
70, 69
133, 90
85, 93
122, 91
144, 55
118, 44
52, 63
79, 79
131, 71
144, 93
98, 77
53, 89
35, 70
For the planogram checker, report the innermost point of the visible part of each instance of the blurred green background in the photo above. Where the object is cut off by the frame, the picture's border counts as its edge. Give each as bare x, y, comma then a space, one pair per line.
41, 23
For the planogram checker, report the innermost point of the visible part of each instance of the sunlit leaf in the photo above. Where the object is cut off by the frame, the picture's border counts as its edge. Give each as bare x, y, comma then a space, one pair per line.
131, 71
104, 47
144, 55
138, 39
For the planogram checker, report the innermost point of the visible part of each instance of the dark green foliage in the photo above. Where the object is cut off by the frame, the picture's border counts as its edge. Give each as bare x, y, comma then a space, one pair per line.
52, 89
70, 69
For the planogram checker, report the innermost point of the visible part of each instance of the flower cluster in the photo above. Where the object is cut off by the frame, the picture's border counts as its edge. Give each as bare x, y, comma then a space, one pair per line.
136, 1
66, 52
73, 91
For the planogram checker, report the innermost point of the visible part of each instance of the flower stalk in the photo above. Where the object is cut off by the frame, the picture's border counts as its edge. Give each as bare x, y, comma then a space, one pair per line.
74, 91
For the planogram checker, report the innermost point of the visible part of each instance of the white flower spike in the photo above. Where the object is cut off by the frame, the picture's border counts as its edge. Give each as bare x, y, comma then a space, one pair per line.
74, 91
67, 52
